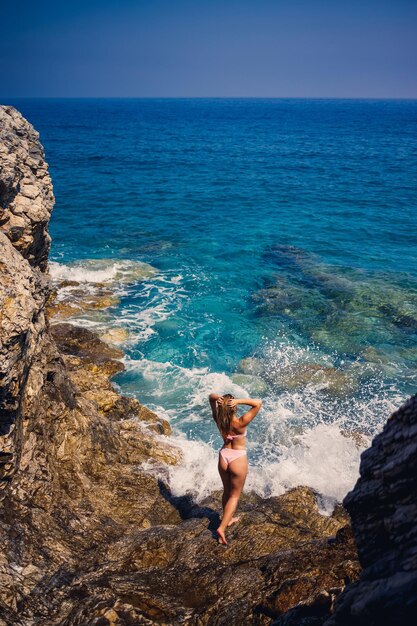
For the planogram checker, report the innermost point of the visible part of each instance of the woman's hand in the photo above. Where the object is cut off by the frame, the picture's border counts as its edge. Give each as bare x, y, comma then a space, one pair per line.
231, 402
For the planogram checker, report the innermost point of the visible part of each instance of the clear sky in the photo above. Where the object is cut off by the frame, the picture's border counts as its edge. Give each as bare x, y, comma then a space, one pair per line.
254, 48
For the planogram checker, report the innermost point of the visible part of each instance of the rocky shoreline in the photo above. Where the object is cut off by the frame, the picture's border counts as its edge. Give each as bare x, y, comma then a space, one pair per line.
90, 537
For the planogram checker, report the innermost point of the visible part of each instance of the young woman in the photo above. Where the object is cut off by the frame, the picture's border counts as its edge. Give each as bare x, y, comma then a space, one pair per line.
233, 463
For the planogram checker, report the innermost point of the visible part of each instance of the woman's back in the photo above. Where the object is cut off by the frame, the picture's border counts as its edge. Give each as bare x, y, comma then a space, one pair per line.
236, 439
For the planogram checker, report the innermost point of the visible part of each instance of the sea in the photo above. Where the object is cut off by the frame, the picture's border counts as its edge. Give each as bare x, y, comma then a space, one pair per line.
262, 247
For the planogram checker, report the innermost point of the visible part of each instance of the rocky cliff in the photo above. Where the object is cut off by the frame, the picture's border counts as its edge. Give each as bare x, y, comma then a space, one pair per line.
88, 536
383, 509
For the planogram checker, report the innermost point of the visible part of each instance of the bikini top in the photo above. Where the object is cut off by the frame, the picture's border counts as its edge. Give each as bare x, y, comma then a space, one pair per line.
231, 437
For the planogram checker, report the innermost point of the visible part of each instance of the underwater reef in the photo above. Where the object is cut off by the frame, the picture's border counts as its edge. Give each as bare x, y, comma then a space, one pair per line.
91, 536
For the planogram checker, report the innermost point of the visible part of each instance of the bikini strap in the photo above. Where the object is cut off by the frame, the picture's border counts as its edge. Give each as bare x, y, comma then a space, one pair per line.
231, 437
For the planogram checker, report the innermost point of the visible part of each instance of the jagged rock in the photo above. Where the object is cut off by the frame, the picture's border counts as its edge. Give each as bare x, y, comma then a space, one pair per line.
383, 508
179, 574
23, 292
82, 301
71, 464
84, 343
26, 196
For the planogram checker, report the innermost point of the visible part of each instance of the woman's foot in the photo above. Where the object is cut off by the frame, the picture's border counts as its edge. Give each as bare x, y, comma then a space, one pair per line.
234, 520
222, 538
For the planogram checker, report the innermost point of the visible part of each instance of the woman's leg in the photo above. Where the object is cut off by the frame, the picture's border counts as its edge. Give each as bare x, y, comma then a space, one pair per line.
238, 470
225, 476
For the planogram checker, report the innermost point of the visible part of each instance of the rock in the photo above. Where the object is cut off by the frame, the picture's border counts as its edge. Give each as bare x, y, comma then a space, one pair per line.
254, 384
71, 448
63, 309
115, 335
283, 298
169, 577
287, 256
327, 379
84, 343
338, 308
23, 292
252, 366
26, 196
383, 509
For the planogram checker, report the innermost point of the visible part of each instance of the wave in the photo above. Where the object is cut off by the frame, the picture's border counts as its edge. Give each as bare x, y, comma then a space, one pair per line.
148, 297
321, 458
98, 271
294, 440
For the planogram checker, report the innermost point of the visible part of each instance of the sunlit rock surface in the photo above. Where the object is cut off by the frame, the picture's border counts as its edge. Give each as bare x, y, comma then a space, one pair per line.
26, 196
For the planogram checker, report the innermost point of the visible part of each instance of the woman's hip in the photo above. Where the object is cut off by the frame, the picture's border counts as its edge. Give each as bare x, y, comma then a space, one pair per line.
228, 455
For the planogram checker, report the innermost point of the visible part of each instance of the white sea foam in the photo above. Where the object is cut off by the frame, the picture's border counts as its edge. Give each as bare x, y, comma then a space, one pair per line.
321, 458
193, 385
163, 296
197, 474
101, 271
161, 292
290, 443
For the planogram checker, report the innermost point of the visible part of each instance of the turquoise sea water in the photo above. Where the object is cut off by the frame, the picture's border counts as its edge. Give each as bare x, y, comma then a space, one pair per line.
281, 231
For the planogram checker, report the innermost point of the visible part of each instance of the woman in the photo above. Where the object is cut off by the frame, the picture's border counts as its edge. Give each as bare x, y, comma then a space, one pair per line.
233, 462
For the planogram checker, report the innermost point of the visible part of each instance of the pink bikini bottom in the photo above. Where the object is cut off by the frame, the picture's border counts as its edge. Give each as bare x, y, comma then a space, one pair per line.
230, 455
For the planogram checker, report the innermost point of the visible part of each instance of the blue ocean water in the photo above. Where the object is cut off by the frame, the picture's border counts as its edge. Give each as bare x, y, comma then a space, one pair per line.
283, 241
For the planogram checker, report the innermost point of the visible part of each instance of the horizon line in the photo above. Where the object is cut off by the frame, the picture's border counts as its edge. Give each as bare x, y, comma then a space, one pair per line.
409, 98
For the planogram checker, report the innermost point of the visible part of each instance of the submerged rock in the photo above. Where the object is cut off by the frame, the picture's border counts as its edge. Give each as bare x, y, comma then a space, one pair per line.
115, 335
252, 366
75, 304
338, 308
328, 379
254, 384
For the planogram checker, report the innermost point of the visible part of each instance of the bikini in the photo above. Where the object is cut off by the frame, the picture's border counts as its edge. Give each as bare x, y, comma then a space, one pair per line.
228, 454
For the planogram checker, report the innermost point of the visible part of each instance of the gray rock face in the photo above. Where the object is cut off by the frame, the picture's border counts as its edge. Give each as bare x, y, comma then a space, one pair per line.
26, 196
383, 509
23, 293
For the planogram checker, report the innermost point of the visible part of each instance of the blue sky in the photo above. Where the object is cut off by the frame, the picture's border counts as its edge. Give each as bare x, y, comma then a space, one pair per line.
228, 48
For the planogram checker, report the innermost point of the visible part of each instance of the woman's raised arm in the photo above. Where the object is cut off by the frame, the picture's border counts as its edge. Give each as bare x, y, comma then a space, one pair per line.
213, 397
253, 412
